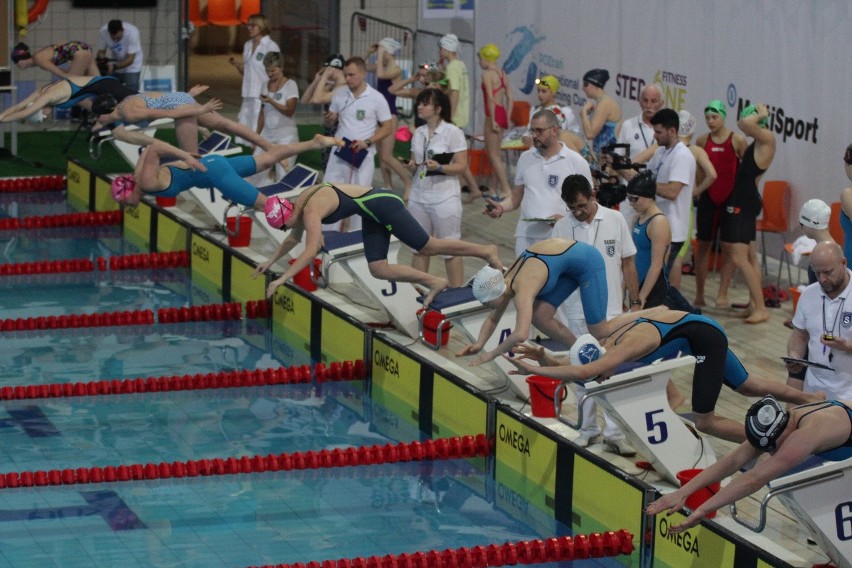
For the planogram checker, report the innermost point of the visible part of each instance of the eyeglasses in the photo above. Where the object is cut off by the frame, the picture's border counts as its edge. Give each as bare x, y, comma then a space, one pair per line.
632, 198
540, 131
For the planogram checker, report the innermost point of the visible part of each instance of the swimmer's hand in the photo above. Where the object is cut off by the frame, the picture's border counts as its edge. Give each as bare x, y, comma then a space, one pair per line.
273, 286
194, 163
262, 268
197, 90
528, 351
212, 106
471, 349
521, 366
672, 503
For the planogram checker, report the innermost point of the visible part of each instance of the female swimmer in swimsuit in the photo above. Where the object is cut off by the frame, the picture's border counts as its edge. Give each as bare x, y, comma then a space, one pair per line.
383, 214
498, 105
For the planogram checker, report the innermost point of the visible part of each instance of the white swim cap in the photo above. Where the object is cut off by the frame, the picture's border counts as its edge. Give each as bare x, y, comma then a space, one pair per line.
450, 42
585, 350
488, 284
36, 117
687, 123
390, 45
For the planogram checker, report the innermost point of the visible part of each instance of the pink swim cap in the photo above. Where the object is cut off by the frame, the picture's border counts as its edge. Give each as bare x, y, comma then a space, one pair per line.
122, 187
278, 211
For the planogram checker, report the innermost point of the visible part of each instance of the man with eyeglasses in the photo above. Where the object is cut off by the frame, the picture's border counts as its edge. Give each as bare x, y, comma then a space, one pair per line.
822, 327
606, 230
122, 39
674, 167
538, 181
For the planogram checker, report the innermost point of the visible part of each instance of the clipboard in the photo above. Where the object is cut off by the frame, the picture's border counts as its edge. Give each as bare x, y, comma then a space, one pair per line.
549, 220
444, 159
806, 363
345, 153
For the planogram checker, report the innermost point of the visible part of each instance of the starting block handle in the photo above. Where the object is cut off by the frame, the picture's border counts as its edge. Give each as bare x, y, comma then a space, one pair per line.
761, 518
603, 389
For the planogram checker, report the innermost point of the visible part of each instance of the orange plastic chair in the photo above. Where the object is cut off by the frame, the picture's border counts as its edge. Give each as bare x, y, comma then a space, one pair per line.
195, 14
222, 12
834, 224
520, 113
248, 8
776, 211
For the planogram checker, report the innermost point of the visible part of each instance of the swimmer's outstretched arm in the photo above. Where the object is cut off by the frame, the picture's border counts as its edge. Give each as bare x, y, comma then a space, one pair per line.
51, 94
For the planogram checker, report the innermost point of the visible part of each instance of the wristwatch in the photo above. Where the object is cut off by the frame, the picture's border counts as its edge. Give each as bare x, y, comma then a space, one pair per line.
368, 142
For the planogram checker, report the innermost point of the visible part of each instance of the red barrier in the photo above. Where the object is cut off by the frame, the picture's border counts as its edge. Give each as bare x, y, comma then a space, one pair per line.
478, 446
536, 551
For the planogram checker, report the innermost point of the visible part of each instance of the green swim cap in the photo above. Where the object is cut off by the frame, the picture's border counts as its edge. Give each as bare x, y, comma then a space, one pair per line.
750, 110
716, 106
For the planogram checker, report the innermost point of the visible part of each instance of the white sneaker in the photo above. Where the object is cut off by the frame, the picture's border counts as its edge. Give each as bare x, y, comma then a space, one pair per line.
586, 439
619, 446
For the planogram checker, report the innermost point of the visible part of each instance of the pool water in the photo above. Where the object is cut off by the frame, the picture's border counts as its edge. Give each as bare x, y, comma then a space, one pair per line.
230, 520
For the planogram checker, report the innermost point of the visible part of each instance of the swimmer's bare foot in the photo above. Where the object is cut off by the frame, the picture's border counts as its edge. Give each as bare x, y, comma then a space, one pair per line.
757, 316
436, 286
722, 302
699, 301
492, 257
327, 141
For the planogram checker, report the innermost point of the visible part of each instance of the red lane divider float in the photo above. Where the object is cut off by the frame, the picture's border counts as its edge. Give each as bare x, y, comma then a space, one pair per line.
47, 267
337, 371
178, 259
537, 551
209, 312
32, 184
106, 319
89, 219
440, 449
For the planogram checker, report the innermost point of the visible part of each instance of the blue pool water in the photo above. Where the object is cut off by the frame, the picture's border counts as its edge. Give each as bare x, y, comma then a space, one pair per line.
236, 520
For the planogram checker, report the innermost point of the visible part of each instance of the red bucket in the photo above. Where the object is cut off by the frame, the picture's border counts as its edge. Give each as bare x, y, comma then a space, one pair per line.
433, 320
303, 278
166, 201
239, 236
700, 496
542, 390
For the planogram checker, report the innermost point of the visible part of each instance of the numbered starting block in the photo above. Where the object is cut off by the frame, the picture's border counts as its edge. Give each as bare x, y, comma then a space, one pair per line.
459, 308
399, 300
819, 494
636, 400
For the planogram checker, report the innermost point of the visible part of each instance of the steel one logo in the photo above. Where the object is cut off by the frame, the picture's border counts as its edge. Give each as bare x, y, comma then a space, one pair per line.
673, 87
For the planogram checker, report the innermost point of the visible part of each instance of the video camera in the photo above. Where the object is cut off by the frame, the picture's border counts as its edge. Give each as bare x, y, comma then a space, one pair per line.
103, 65
620, 161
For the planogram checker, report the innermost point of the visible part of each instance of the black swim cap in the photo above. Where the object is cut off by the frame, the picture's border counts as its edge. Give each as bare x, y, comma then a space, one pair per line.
21, 51
336, 60
765, 421
597, 77
643, 185
104, 104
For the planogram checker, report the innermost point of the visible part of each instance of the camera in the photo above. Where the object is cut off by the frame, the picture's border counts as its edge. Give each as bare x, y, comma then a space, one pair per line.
620, 160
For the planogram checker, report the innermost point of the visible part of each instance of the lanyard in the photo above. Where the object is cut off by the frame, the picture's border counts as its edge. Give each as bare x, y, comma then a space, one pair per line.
663, 160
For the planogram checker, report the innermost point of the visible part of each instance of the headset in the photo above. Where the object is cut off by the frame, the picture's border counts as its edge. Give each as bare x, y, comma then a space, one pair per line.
765, 421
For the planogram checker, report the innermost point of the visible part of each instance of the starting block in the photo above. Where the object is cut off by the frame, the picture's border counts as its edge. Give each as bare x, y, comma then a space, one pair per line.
347, 251
636, 400
458, 307
819, 494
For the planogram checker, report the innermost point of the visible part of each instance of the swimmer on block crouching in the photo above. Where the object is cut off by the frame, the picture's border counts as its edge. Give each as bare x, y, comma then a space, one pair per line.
225, 174
383, 214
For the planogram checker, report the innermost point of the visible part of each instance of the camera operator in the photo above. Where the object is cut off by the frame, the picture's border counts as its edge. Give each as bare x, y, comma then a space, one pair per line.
674, 167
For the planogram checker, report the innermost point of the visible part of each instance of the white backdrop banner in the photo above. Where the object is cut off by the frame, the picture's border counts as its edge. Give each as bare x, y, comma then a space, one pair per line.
794, 56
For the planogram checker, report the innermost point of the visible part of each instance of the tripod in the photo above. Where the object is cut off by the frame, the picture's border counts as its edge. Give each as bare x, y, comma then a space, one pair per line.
86, 122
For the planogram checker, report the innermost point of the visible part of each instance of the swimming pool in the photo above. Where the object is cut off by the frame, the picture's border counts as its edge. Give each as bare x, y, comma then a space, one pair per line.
233, 520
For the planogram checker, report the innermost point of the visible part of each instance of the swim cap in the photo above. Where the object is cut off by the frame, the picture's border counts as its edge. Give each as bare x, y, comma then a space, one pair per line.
847, 157
335, 61
390, 45
716, 107
597, 77
21, 51
36, 117
815, 214
122, 187
450, 42
104, 104
687, 123
489, 52
278, 211
643, 185
765, 421
488, 284
750, 110
549, 81
585, 350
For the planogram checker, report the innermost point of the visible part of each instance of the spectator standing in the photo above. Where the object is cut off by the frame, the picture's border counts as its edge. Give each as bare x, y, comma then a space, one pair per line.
328, 79
278, 97
123, 41
606, 230
846, 205
252, 68
600, 115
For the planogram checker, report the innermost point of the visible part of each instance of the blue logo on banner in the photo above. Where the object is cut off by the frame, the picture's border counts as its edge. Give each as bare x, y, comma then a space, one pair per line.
732, 95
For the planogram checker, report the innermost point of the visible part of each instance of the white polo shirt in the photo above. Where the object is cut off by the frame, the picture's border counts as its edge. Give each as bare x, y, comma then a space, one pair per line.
542, 180
437, 188
636, 133
254, 73
129, 43
817, 314
675, 164
359, 116
608, 232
